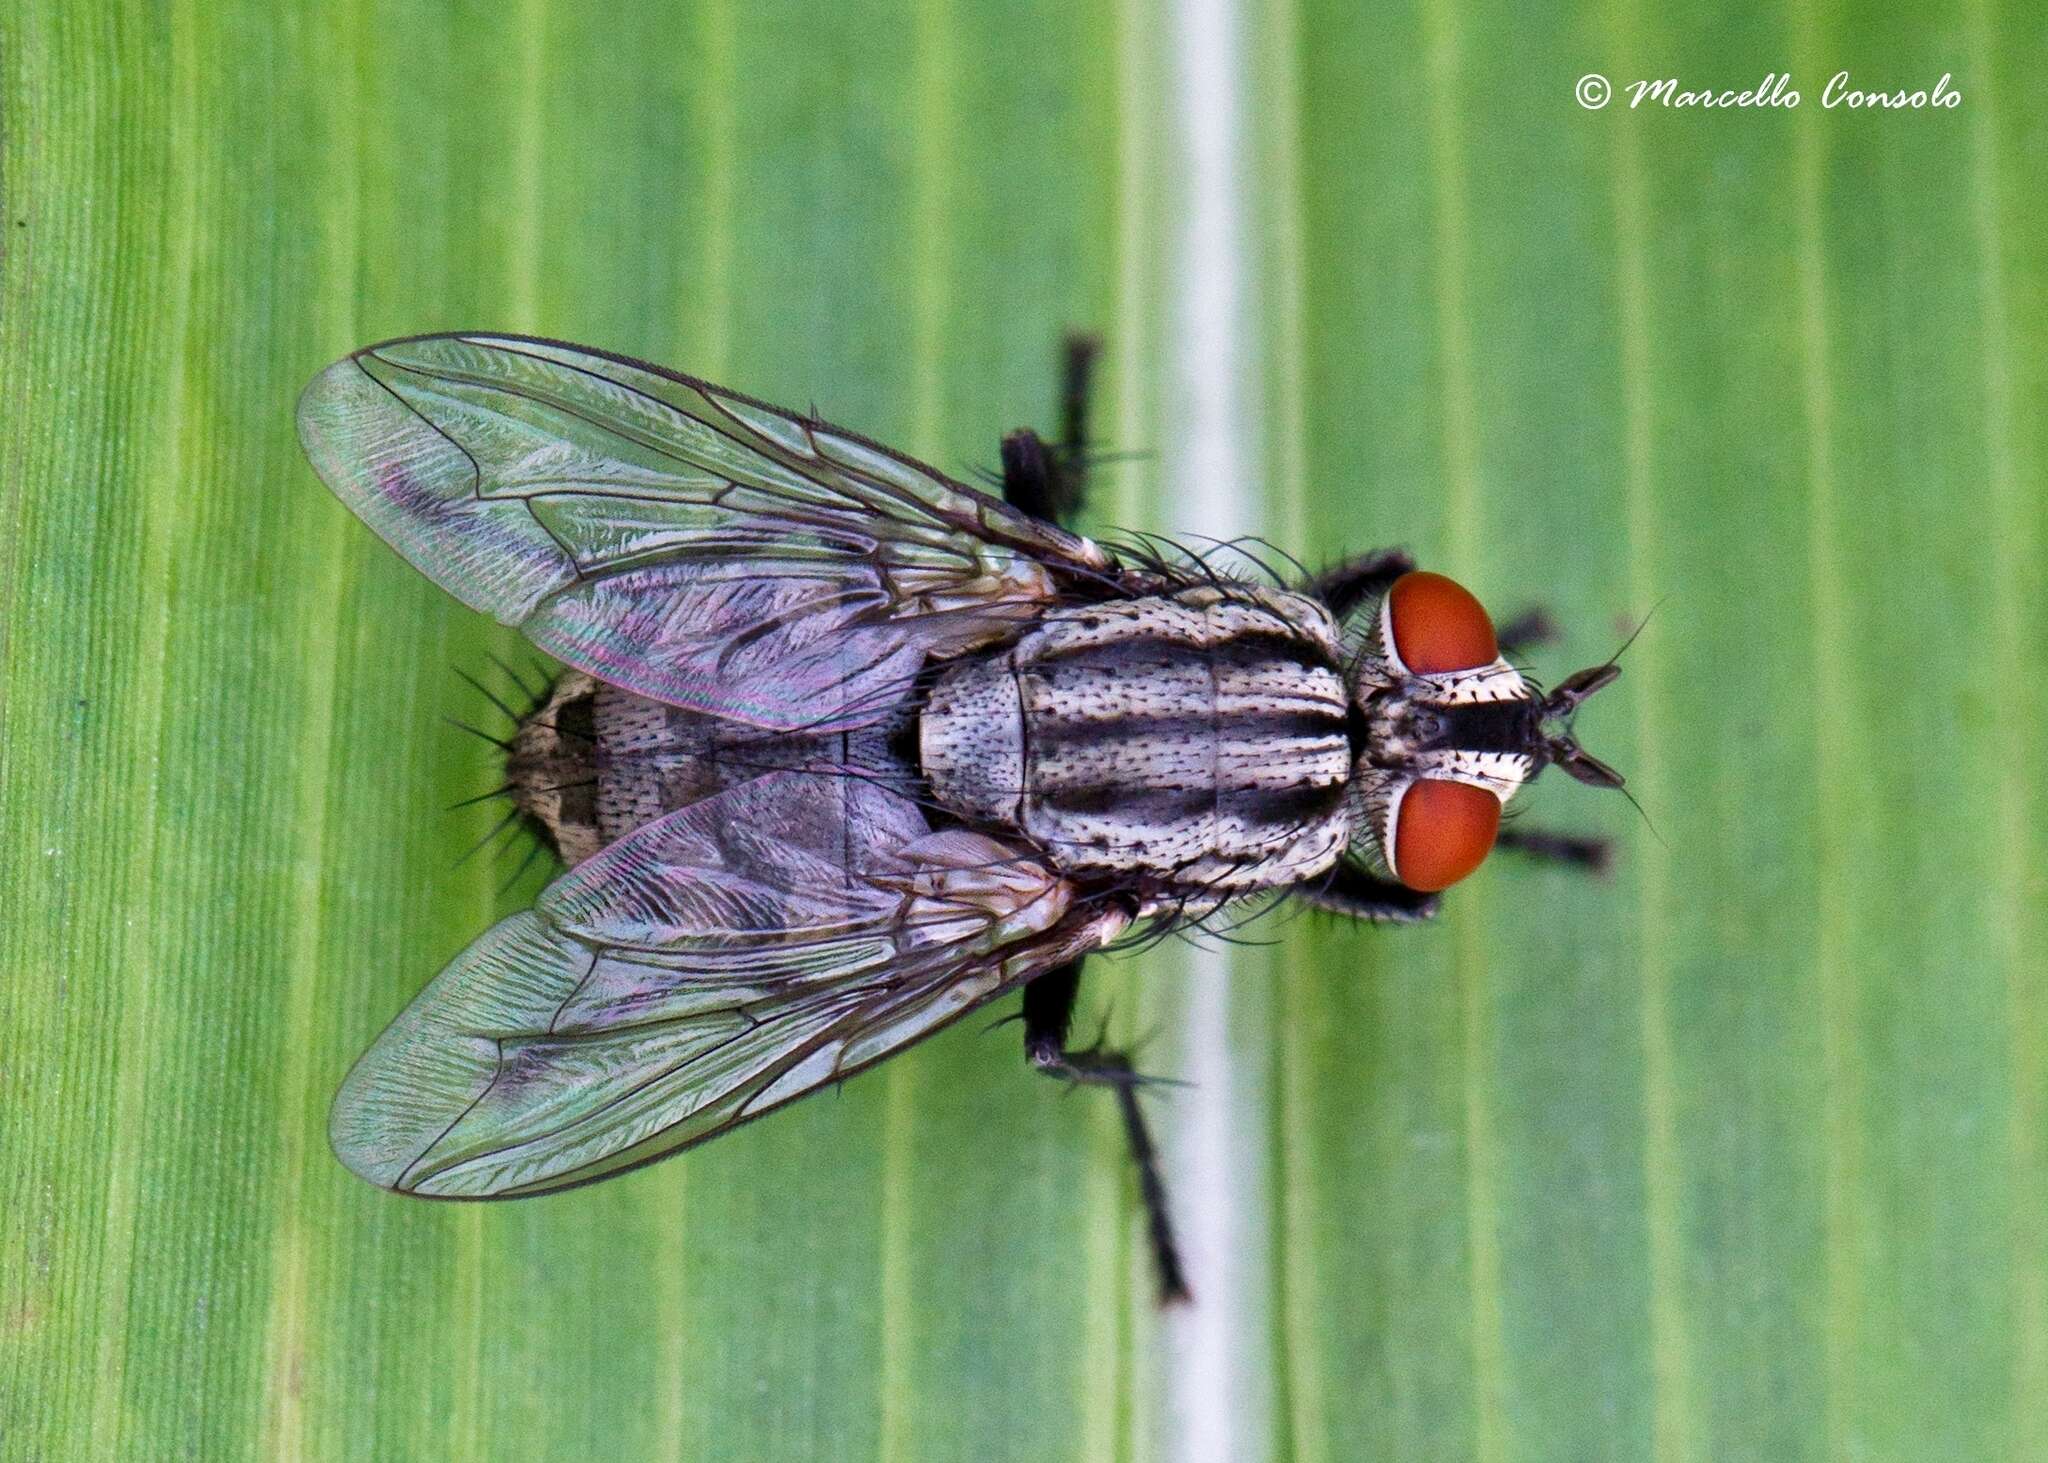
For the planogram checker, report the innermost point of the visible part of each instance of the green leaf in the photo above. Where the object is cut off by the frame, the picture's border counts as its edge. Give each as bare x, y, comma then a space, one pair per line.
1742, 1152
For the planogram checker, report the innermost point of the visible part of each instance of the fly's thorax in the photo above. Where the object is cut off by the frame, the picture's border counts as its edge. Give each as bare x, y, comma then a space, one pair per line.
1199, 740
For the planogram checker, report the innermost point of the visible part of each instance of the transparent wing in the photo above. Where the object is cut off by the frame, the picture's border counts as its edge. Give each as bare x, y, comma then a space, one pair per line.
693, 545
707, 968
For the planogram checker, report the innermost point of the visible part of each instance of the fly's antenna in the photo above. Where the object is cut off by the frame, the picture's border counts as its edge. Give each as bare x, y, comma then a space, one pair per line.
1579, 686
1644, 625
1643, 813
1562, 749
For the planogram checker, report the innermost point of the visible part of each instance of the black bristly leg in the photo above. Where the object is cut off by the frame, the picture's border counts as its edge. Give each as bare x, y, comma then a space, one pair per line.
1526, 631
1077, 376
1594, 855
1360, 894
1048, 1011
1031, 475
1046, 481
1350, 584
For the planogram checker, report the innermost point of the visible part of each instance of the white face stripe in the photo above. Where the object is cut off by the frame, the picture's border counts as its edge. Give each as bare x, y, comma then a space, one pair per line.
1390, 823
1496, 681
1500, 773
1500, 780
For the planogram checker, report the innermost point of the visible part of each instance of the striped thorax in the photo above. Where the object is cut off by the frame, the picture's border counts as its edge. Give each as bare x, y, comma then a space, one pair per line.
1198, 740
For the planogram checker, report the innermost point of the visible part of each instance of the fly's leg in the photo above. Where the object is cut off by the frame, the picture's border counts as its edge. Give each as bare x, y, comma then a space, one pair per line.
1050, 481
1368, 576
1594, 855
1350, 584
1077, 377
1360, 894
1526, 631
1032, 480
1048, 1012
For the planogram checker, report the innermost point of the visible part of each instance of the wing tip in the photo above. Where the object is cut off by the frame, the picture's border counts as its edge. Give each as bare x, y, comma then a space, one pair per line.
398, 1118
348, 423
359, 1136
329, 386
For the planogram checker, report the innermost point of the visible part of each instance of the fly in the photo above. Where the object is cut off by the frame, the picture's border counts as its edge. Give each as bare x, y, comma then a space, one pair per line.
845, 749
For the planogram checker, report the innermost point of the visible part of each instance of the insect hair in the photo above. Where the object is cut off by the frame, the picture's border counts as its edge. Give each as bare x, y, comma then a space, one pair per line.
1181, 566
488, 694
499, 742
511, 817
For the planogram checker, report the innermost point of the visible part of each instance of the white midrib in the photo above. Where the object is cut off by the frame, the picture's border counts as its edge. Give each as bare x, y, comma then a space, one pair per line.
1215, 1396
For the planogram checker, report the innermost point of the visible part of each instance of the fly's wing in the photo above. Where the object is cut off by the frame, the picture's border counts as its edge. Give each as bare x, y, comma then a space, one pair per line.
710, 966
681, 541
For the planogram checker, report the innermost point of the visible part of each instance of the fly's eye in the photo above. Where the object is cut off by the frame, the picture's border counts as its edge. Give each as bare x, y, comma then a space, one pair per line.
1442, 832
1438, 626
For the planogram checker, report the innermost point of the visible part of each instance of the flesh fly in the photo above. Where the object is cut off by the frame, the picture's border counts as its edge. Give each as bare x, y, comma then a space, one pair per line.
846, 749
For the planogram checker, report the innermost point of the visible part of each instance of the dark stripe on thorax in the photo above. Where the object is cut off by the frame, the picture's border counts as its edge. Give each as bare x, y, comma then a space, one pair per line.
1055, 733
1296, 805
1138, 808
1134, 652
1246, 648
1255, 646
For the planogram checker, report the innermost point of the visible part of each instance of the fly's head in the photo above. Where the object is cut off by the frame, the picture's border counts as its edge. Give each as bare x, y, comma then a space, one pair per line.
1445, 732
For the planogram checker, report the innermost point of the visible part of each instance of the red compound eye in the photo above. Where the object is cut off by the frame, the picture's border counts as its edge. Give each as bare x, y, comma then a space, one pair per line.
1438, 625
1444, 831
